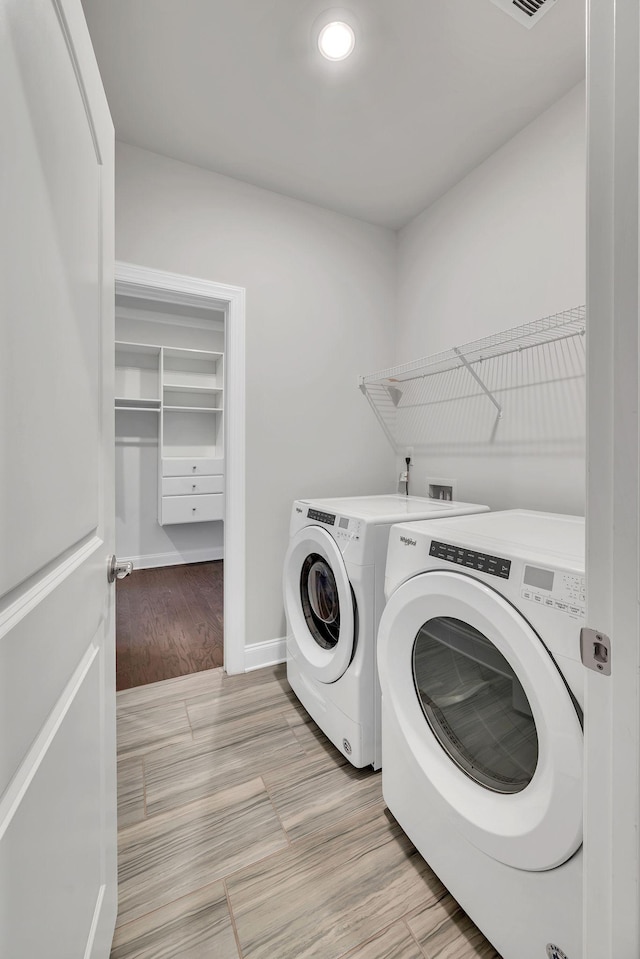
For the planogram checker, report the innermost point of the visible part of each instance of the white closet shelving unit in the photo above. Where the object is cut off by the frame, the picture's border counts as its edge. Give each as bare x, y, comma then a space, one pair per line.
405, 397
185, 387
191, 447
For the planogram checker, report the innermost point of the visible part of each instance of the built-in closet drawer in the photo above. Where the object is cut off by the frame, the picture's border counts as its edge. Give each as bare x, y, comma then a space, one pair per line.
192, 509
190, 485
198, 466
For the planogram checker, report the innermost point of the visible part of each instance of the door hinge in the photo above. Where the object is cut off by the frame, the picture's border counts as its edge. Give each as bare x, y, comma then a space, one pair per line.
595, 650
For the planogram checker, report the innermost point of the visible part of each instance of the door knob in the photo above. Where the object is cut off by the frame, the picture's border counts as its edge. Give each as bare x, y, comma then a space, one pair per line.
118, 570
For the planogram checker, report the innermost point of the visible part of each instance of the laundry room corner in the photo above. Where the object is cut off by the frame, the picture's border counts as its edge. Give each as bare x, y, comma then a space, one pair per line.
320, 293
504, 247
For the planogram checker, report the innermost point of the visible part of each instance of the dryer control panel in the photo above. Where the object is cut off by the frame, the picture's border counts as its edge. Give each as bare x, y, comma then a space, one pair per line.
553, 588
470, 558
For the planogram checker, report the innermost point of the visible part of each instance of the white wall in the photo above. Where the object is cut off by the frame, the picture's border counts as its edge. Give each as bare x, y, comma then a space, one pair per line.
320, 307
505, 246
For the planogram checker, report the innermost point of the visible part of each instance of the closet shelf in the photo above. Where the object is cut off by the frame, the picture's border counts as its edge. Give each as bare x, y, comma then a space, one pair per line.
192, 409
190, 388
179, 353
137, 403
400, 388
137, 409
126, 346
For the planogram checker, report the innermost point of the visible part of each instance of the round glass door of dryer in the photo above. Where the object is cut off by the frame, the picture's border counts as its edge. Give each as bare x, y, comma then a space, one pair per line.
319, 604
320, 600
488, 721
475, 705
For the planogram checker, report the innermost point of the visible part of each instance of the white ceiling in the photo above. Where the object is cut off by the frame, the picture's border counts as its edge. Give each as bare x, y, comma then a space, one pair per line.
236, 86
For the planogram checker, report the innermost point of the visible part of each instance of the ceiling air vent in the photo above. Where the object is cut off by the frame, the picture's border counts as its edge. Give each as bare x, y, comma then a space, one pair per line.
526, 12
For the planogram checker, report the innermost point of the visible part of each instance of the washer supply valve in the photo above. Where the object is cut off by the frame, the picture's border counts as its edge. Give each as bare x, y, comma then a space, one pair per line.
407, 460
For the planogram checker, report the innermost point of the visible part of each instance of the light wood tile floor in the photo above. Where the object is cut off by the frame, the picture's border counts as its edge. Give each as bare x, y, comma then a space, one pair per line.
243, 834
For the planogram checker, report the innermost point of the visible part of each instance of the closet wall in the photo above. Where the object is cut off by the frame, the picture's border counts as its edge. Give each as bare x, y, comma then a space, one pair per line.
504, 247
139, 536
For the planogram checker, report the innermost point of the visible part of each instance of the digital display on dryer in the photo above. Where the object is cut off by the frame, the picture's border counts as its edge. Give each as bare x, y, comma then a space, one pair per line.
470, 559
328, 518
539, 578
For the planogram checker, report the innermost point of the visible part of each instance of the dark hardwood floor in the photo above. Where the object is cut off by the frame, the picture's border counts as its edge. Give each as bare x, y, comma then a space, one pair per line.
168, 623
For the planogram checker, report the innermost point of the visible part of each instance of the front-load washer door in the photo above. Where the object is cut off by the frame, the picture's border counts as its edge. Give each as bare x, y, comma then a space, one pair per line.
319, 603
487, 717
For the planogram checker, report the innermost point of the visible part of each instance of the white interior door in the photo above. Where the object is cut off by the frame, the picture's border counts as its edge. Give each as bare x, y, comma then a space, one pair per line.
57, 742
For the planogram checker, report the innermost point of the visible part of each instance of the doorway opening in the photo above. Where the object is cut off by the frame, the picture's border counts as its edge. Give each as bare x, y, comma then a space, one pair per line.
179, 397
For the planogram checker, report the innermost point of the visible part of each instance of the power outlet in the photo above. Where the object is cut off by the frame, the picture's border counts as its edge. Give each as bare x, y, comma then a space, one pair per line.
441, 488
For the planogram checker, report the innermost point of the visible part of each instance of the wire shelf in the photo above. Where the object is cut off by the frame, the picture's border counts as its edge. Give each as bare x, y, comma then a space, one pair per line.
403, 397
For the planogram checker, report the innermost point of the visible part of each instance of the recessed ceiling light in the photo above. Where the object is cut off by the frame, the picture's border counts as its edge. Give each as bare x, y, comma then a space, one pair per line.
336, 40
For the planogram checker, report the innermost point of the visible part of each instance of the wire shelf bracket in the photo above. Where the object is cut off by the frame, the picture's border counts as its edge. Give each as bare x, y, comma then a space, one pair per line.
485, 389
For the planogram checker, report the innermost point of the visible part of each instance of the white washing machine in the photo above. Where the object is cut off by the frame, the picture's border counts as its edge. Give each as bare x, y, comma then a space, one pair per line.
482, 695
333, 596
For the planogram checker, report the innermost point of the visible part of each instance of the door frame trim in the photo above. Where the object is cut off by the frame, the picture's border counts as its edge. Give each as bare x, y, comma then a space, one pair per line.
612, 703
164, 287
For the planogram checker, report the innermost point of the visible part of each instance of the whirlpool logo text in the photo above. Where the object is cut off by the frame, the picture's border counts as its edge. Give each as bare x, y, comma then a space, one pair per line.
407, 541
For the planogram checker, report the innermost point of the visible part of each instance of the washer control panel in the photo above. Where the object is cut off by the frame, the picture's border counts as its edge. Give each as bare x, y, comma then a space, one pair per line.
347, 529
320, 517
552, 588
344, 529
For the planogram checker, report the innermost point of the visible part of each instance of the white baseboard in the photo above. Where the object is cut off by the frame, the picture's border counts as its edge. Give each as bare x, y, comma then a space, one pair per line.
265, 654
175, 558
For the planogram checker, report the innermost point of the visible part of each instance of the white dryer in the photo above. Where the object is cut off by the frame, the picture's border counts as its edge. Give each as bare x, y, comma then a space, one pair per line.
333, 597
482, 695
